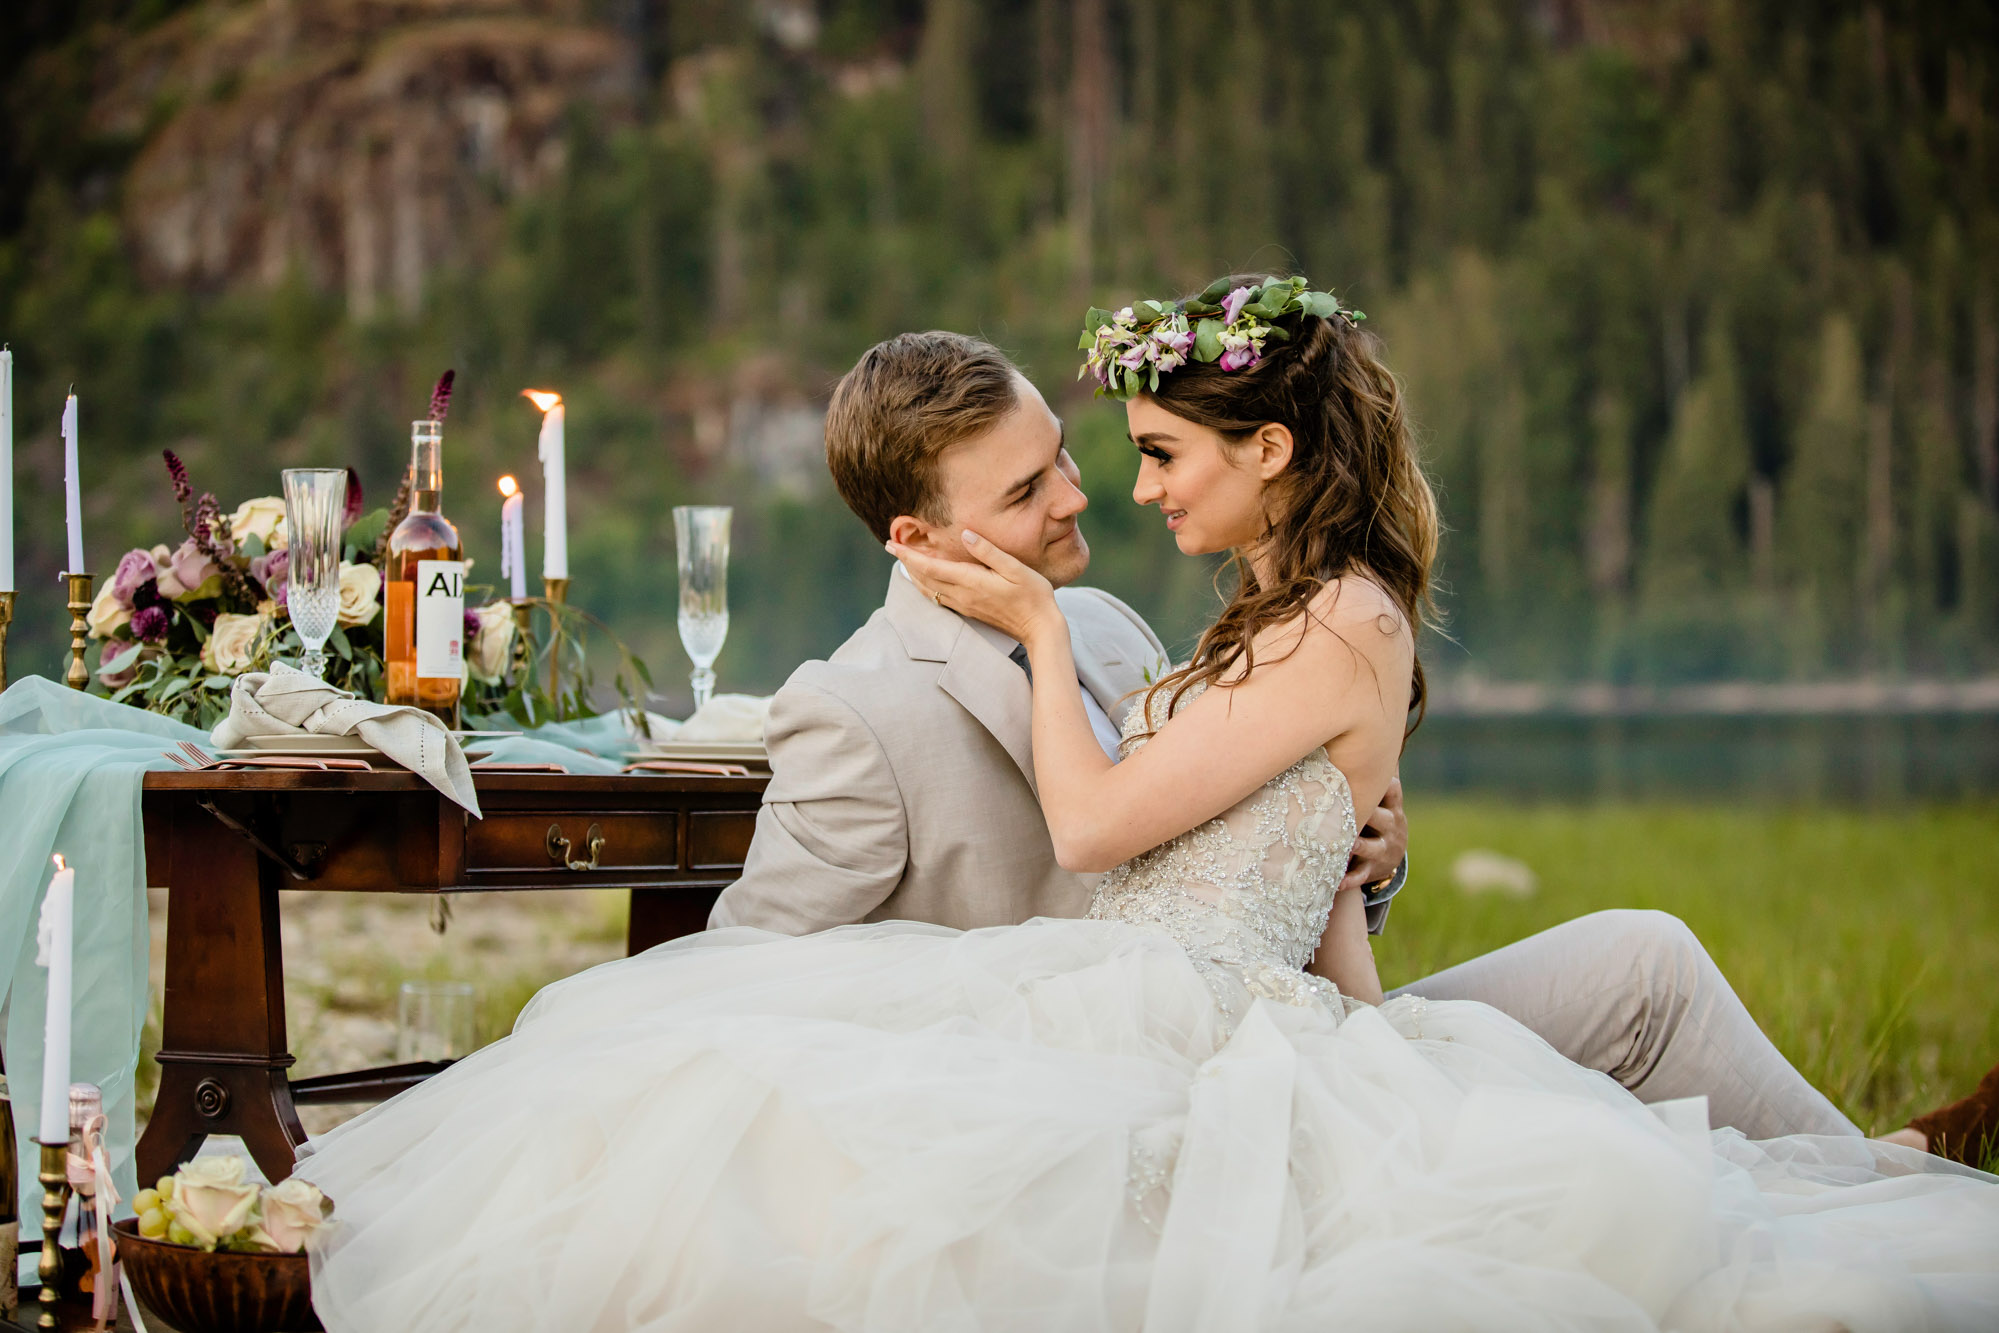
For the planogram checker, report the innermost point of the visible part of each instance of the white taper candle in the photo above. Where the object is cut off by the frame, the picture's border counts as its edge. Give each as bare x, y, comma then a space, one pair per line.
72, 488
6, 470
55, 941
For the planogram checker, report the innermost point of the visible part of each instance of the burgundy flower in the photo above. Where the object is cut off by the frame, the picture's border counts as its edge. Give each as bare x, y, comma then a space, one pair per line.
353, 500
177, 473
147, 594
150, 624
440, 397
471, 626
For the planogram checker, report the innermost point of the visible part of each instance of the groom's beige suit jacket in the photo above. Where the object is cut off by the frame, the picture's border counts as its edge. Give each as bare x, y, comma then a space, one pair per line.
902, 779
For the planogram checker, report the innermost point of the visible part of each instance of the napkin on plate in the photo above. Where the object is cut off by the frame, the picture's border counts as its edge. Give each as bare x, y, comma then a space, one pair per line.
285, 701
727, 717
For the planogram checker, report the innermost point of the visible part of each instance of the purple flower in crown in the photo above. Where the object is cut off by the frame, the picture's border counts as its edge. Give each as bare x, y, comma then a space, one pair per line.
1232, 307
1239, 358
150, 624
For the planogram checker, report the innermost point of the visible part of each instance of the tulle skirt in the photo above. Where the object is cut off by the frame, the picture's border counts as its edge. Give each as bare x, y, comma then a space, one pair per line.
1048, 1127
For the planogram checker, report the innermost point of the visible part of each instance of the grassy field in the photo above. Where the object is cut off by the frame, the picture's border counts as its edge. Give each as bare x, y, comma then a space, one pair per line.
1865, 942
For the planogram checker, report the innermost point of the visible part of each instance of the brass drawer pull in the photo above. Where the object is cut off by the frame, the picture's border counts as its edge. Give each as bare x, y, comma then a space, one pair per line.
558, 847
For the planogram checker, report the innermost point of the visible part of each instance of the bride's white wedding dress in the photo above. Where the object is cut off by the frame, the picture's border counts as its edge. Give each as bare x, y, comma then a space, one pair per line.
1150, 1119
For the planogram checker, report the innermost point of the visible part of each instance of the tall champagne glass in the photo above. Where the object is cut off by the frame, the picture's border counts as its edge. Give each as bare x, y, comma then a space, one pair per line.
701, 537
315, 510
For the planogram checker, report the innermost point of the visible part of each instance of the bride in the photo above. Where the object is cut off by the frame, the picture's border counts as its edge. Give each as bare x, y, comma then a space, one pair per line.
1190, 1111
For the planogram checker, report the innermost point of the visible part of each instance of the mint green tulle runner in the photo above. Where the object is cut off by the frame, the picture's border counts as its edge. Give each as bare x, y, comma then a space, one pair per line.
71, 766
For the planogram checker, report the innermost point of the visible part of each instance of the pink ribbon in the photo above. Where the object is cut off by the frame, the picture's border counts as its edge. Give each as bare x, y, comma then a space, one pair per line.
89, 1171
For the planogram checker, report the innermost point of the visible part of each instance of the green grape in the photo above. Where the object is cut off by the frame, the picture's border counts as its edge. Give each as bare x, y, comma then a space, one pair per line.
165, 1187
153, 1223
145, 1201
179, 1234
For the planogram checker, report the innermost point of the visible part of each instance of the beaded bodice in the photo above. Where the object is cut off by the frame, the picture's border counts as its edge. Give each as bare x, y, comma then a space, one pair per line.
1246, 894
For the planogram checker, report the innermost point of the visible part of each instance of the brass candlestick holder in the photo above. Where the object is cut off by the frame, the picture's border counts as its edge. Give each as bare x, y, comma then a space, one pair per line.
6, 619
523, 619
556, 593
79, 629
54, 1176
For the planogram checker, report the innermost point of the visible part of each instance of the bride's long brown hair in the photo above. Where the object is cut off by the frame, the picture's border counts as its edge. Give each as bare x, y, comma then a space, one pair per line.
1354, 499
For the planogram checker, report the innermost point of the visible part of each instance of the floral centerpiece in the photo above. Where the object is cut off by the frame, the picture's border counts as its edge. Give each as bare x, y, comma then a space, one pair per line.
211, 1204
178, 623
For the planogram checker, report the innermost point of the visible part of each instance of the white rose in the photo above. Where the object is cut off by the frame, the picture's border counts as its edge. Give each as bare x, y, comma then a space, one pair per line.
360, 593
232, 644
293, 1210
260, 518
211, 1199
494, 646
107, 614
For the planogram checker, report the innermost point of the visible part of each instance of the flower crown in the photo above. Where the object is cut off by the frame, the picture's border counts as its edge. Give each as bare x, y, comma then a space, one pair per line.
1129, 351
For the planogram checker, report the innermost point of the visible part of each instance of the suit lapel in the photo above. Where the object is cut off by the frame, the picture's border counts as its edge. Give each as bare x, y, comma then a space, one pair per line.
983, 682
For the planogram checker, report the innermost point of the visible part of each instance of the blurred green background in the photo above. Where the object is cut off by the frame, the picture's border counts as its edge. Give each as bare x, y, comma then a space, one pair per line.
1698, 302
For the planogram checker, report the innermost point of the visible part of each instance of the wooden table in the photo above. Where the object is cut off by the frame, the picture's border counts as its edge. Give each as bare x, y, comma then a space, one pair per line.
225, 843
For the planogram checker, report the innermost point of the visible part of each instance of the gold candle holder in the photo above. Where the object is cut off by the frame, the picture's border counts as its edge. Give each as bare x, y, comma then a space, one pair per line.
6, 619
54, 1176
556, 593
523, 620
79, 629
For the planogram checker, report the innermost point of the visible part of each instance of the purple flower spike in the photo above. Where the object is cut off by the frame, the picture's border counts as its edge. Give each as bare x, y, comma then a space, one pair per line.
150, 623
353, 500
440, 397
1232, 307
177, 474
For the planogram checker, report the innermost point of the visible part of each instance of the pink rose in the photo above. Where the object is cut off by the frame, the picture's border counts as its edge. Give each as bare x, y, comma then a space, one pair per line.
187, 569
133, 570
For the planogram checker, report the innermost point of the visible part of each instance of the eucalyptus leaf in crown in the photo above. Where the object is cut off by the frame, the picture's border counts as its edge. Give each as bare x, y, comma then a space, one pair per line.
1129, 350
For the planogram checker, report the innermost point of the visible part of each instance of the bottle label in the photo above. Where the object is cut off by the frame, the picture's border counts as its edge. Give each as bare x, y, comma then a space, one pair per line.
440, 618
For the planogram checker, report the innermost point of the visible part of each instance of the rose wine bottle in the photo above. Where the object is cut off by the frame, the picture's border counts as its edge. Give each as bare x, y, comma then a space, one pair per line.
425, 587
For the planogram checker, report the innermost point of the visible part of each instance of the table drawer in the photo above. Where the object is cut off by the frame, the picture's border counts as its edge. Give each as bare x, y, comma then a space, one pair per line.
530, 842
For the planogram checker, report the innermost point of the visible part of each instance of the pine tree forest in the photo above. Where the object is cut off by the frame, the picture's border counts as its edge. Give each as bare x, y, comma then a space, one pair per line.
1696, 301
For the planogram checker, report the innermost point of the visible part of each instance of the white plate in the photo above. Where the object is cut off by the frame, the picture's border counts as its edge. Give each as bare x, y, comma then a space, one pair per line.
310, 744
728, 752
287, 752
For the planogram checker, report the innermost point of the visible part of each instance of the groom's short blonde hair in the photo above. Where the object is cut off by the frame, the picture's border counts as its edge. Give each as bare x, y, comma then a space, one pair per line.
903, 404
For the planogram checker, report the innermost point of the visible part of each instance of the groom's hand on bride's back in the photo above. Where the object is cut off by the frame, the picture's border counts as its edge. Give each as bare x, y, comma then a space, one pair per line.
1383, 842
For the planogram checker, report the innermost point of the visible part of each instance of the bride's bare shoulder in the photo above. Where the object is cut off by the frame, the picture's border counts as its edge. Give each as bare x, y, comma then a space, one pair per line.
1355, 610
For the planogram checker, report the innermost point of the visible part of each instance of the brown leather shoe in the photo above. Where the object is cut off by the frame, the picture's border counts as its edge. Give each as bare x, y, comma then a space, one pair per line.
1966, 1131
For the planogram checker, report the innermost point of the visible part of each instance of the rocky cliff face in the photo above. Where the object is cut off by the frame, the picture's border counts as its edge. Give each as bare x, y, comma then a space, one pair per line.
362, 141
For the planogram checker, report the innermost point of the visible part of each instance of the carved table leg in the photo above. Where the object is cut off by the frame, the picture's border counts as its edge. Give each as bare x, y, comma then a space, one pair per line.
223, 1052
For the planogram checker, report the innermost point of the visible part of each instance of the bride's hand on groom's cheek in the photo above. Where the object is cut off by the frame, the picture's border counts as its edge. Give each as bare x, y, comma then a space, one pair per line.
997, 589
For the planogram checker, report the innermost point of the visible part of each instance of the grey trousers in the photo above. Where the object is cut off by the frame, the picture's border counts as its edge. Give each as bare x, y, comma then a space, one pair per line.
1634, 995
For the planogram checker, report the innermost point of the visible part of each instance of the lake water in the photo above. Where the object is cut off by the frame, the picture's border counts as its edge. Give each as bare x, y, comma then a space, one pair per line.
1847, 759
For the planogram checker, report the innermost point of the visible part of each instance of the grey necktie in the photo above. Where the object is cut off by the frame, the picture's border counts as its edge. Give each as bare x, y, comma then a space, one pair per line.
1019, 656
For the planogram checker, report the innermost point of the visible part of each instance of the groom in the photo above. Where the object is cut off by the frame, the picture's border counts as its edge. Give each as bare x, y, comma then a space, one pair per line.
902, 786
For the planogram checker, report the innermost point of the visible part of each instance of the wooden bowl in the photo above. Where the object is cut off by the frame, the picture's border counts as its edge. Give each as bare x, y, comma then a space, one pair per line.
200, 1292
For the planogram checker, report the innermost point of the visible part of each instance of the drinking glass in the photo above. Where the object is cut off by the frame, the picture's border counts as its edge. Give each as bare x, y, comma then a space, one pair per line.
435, 1020
315, 513
701, 536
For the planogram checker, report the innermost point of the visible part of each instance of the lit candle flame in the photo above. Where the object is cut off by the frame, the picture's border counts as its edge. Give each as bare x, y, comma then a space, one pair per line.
543, 399
509, 487
60, 863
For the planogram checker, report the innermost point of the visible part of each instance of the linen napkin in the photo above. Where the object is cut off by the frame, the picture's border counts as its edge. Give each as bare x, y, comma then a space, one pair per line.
285, 701
727, 717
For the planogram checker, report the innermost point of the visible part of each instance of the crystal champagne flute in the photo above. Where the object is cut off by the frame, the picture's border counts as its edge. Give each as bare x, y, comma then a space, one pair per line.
315, 510
701, 537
